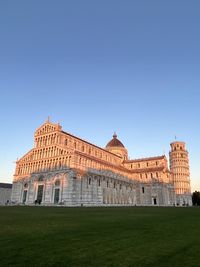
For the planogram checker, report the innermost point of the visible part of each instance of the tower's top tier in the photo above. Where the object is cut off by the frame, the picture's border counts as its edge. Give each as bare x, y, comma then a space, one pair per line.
177, 146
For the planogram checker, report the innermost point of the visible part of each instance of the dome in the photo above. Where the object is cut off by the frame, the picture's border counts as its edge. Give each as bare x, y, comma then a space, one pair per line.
114, 142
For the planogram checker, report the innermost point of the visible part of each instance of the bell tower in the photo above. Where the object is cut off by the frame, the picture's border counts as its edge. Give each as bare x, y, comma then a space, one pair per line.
179, 167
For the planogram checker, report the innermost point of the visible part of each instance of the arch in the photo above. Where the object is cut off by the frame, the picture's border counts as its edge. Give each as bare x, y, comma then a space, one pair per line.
57, 182
41, 178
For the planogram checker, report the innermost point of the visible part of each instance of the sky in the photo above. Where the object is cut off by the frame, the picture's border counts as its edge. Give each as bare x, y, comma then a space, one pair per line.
97, 67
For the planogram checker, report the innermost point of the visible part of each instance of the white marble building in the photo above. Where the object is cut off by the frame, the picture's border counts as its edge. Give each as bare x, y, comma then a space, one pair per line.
63, 169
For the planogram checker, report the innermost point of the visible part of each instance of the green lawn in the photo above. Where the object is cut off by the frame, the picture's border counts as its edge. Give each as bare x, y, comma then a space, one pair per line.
47, 236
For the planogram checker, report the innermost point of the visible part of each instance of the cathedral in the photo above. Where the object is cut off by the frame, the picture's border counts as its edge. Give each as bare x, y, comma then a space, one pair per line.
65, 170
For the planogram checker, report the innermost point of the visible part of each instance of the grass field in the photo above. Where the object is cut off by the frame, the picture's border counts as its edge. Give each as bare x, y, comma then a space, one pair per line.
47, 236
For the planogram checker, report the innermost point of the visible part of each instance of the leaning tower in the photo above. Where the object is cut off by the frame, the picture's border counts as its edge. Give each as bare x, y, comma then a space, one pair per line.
179, 166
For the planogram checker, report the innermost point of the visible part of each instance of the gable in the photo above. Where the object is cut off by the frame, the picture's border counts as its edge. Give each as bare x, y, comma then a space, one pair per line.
47, 127
41, 154
27, 157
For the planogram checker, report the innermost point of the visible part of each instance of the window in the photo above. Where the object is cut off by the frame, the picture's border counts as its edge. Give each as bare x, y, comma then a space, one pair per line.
89, 181
143, 189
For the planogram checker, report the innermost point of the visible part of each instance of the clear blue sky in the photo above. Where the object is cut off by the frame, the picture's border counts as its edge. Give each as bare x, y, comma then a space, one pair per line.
98, 67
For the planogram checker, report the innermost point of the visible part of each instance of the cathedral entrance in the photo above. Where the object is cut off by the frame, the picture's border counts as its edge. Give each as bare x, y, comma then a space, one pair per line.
56, 195
155, 201
40, 193
24, 196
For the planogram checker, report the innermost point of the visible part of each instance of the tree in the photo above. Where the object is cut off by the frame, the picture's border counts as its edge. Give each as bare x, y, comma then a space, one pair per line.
196, 198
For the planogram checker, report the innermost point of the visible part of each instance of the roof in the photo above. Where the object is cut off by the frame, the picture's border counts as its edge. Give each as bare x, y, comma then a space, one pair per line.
115, 142
90, 144
145, 159
5, 185
153, 169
